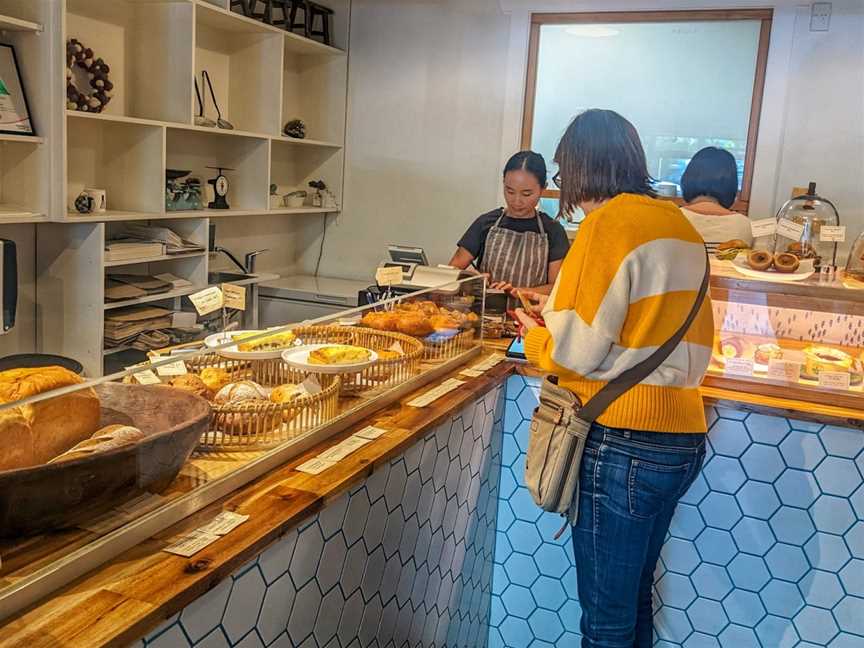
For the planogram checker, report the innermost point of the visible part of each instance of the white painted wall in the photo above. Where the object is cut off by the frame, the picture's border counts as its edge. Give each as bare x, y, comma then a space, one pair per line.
435, 105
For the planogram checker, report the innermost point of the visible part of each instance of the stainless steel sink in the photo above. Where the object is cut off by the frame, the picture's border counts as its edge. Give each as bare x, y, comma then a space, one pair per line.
226, 277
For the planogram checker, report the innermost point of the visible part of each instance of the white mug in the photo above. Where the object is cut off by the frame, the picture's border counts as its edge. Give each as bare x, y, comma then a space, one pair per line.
100, 199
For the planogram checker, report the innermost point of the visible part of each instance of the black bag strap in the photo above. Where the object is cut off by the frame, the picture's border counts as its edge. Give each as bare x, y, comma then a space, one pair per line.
639, 372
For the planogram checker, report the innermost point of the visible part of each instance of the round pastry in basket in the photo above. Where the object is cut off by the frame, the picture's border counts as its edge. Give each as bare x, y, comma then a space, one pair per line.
244, 390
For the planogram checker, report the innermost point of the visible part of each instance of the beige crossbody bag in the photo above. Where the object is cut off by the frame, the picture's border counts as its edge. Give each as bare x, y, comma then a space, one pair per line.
560, 426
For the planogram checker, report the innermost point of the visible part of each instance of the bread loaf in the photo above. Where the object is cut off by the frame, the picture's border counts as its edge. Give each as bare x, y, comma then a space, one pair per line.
108, 438
34, 434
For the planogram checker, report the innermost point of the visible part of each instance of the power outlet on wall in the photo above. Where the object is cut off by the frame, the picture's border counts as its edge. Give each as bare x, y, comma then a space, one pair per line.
820, 16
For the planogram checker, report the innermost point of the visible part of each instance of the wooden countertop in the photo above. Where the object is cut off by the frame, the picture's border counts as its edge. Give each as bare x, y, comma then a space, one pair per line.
125, 598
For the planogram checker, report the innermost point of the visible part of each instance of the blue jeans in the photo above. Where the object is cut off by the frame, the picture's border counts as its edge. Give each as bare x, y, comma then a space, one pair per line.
630, 484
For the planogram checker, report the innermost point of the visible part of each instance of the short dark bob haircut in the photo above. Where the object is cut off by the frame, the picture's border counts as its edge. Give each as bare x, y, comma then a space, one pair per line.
711, 172
528, 161
599, 157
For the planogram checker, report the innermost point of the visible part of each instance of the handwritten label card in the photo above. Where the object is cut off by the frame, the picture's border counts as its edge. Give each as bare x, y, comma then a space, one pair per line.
315, 466
177, 368
787, 370
763, 227
223, 523
208, 300
790, 230
832, 234
371, 433
234, 296
434, 394
191, 544
739, 367
388, 276
146, 377
834, 379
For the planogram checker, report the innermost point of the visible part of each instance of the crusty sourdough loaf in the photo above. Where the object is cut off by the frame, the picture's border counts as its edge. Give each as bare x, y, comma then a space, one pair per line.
34, 434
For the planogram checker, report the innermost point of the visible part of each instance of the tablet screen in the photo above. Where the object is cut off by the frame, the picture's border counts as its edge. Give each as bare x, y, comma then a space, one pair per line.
516, 349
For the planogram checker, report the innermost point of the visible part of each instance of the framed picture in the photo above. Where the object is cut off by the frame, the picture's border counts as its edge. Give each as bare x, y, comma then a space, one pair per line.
14, 109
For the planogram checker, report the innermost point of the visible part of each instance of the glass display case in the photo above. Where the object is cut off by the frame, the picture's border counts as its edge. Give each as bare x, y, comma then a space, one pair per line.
91, 468
799, 228
797, 340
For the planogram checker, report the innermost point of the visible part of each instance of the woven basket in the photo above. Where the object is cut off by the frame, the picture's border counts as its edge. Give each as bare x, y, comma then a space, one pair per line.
247, 426
382, 374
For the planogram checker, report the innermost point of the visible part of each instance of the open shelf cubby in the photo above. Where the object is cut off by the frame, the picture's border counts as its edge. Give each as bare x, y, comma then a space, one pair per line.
243, 58
247, 157
293, 167
148, 47
124, 159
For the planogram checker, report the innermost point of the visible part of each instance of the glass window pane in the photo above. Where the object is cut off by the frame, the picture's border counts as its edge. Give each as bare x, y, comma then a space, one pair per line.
684, 85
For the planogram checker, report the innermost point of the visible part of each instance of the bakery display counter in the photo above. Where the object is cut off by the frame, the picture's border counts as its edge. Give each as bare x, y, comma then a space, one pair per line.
257, 400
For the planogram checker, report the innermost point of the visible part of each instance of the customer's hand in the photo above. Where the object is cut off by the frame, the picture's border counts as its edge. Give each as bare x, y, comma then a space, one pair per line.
501, 285
526, 321
538, 300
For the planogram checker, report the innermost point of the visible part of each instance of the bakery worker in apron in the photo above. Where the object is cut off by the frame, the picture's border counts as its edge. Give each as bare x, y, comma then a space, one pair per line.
517, 246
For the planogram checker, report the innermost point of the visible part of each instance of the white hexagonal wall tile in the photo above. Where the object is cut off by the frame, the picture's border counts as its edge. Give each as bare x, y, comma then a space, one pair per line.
302, 619
395, 486
217, 639
205, 613
412, 457
329, 615
276, 609
244, 604
332, 516
276, 559
173, 637
355, 517
373, 534
368, 627
304, 561
393, 533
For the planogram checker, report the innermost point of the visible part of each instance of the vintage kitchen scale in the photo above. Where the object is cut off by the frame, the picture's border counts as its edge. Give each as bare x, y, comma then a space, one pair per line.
220, 188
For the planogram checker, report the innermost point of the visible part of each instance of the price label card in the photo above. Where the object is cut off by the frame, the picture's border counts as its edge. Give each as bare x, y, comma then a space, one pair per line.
208, 300
146, 377
176, 368
191, 544
790, 230
234, 296
371, 433
311, 386
396, 347
834, 379
223, 523
739, 367
763, 227
472, 373
787, 370
832, 234
347, 447
434, 394
315, 466
388, 276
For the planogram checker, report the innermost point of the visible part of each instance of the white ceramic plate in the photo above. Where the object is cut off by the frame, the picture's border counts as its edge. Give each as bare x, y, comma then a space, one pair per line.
233, 353
298, 357
804, 271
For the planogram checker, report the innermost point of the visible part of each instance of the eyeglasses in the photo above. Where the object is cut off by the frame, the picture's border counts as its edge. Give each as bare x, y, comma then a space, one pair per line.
557, 179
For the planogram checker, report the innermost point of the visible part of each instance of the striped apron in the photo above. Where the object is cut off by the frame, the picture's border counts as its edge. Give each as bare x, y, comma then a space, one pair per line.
519, 258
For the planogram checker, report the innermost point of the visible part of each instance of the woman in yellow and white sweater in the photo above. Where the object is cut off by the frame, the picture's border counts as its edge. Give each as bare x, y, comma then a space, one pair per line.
627, 284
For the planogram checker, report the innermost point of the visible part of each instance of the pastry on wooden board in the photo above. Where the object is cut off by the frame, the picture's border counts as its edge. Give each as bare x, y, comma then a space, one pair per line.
34, 434
110, 437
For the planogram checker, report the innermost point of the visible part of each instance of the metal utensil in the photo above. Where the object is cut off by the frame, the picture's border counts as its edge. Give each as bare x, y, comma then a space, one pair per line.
220, 122
200, 119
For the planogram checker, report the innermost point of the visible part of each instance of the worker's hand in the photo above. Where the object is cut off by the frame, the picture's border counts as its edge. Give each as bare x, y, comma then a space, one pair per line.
526, 321
501, 285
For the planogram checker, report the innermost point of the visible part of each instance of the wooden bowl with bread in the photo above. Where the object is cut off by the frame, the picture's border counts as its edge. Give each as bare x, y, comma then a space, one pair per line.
80, 452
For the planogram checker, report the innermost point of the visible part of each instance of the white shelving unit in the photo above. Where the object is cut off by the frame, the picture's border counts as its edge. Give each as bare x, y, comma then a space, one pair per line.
262, 75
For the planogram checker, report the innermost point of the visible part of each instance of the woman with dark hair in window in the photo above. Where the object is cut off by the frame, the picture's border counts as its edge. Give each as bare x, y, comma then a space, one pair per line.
709, 186
517, 246
628, 284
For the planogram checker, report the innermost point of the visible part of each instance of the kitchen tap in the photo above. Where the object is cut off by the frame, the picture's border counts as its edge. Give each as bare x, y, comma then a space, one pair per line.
233, 259
251, 257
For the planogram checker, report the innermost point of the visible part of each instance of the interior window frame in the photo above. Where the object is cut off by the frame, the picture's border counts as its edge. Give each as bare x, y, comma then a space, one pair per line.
765, 16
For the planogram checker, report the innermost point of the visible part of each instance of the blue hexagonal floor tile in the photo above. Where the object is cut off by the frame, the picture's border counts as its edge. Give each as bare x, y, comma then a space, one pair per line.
521, 569
549, 593
676, 590
707, 616
828, 552
716, 546
792, 525
786, 562
832, 514
767, 429
687, 523
852, 577
777, 632
749, 572
552, 560
815, 625
744, 608
821, 588
712, 581
838, 476
739, 637
782, 599
802, 450
753, 536
672, 624
842, 441
720, 510
517, 601
850, 615
758, 499
762, 462
724, 474
729, 438
797, 488
546, 625
680, 556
